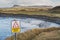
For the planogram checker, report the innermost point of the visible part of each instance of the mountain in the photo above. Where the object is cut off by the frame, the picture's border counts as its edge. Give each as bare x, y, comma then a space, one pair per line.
16, 6
34, 6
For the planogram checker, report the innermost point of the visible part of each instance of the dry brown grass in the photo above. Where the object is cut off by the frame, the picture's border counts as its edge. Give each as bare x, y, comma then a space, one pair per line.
53, 35
36, 34
29, 11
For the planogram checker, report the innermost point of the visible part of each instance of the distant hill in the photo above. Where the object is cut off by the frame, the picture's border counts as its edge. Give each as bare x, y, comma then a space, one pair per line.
41, 6
55, 9
17, 8
35, 6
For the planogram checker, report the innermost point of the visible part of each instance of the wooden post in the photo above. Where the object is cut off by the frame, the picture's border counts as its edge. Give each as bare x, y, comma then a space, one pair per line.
15, 37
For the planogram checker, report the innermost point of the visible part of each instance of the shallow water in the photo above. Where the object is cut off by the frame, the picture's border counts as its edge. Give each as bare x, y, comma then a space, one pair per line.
26, 24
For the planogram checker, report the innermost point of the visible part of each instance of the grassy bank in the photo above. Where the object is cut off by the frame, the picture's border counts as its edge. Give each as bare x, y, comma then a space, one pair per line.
29, 11
38, 34
34, 13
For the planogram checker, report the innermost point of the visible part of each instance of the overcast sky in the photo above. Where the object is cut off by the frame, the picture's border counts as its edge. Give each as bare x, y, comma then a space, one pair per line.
9, 3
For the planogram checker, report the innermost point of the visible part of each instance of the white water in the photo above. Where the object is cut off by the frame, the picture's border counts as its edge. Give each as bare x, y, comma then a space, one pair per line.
26, 24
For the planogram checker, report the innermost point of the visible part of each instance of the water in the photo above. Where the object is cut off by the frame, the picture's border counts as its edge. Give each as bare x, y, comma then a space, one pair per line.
26, 24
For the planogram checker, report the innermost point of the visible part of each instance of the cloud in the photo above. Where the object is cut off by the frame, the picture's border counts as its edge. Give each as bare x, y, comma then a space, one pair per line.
8, 3
34, 2
5, 3
57, 3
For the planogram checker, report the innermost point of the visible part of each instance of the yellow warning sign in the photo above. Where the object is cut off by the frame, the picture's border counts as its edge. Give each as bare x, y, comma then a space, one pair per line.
15, 26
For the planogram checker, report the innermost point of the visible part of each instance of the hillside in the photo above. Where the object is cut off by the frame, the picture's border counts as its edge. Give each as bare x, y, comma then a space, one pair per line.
55, 9
30, 10
38, 34
17, 8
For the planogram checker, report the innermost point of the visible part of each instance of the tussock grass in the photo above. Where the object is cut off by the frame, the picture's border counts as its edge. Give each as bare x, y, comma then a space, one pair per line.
52, 35
37, 34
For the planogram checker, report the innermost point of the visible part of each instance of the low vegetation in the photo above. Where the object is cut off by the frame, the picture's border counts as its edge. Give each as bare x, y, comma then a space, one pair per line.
55, 9
30, 11
38, 34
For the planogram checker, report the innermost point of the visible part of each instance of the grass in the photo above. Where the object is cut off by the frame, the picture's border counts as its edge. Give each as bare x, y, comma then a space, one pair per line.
53, 35
35, 13
23, 11
38, 34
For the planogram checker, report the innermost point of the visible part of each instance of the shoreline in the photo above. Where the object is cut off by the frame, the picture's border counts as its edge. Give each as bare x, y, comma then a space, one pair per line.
40, 17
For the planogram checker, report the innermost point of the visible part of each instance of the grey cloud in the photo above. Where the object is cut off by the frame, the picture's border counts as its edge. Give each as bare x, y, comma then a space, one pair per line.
8, 3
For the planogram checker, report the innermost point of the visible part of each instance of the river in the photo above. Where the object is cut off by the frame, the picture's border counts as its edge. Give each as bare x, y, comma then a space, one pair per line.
25, 23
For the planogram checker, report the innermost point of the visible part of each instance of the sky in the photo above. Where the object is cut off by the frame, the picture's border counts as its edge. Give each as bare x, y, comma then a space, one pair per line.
10, 3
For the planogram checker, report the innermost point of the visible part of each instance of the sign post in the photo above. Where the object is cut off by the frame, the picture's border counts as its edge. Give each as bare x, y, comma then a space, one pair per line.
15, 27
15, 37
